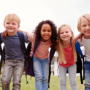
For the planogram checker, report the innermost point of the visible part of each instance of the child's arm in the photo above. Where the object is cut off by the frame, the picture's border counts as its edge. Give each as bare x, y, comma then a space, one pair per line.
23, 31
78, 37
4, 34
29, 35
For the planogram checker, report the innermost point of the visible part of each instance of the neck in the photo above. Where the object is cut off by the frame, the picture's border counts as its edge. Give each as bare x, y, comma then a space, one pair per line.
11, 33
66, 44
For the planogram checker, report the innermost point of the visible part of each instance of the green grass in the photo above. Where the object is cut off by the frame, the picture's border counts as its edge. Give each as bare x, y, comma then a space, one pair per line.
54, 83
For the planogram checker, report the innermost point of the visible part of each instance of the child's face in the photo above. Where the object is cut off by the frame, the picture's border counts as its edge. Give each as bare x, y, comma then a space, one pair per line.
46, 32
11, 26
65, 33
85, 27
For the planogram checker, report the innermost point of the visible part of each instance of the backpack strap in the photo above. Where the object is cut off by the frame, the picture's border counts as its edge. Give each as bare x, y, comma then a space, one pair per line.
78, 49
22, 41
80, 52
52, 51
0, 45
23, 48
82, 56
37, 43
0, 54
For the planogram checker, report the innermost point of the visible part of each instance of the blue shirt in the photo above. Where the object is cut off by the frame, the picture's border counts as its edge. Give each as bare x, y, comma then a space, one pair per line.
13, 47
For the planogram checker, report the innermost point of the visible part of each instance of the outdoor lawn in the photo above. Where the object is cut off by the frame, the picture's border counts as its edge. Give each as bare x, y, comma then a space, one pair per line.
54, 83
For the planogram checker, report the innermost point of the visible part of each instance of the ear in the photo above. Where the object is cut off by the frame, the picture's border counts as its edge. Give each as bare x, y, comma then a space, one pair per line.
4, 25
71, 34
18, 26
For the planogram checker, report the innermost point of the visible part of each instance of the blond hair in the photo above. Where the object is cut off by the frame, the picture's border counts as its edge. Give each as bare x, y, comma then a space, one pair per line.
60, 46
12, 17
86, 16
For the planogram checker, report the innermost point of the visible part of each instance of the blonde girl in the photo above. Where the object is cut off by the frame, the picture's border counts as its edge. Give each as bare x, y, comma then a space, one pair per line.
67, 56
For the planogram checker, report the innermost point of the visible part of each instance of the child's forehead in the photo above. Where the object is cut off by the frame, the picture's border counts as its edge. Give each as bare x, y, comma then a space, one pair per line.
46, 25
11, 19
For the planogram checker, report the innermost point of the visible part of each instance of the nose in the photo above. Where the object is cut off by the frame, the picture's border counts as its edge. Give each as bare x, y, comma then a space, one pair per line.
64, 33
10, 24
46, 32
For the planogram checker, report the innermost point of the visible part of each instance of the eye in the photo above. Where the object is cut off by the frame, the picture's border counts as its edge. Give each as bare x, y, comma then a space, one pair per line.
83, 25
13, 23
61, 32
43, 30
49, 30
67, 31
7, 23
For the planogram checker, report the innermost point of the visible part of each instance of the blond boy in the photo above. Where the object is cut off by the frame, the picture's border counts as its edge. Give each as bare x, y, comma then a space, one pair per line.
14, 58
84, 27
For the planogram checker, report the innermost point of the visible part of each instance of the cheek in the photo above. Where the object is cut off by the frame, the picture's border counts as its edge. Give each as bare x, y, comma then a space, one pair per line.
50, 34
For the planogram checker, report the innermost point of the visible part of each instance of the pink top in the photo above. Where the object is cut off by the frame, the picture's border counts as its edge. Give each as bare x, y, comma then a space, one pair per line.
68, 52
42, 51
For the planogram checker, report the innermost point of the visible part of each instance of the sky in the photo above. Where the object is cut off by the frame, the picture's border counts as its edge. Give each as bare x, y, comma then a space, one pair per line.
31, 12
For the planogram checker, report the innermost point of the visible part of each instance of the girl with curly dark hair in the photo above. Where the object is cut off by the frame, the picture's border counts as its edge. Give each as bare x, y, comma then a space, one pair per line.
46, 33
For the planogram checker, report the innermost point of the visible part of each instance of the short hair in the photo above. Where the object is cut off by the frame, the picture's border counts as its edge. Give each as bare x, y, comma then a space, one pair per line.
12, 17
87, 16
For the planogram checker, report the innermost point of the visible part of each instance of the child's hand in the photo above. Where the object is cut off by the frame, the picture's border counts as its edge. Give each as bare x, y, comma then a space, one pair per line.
78, 37
4, 34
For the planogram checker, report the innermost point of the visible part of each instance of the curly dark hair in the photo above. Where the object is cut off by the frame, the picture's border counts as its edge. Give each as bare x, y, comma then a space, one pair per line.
53, 28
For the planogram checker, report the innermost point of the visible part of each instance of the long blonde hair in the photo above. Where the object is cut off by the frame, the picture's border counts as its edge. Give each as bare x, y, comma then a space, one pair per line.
60, 46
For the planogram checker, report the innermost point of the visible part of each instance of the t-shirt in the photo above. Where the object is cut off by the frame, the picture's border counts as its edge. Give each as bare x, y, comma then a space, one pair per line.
69, 57
42, 51
13, 47
86, 43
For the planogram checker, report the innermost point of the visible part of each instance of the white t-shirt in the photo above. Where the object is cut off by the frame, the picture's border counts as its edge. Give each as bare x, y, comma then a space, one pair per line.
86, 44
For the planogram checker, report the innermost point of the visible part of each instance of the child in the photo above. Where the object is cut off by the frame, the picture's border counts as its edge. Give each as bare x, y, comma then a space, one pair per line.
14, 57
84, 28
47, 33
67, 57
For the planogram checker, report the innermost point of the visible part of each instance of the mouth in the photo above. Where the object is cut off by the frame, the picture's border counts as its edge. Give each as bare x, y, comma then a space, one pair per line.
64, 37
46, 36
87, 32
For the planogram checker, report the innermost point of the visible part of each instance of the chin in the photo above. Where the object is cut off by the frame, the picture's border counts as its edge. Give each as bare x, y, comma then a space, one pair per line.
11, 31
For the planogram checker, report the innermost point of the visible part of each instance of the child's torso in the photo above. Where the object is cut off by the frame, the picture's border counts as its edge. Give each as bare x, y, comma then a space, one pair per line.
42, 51
86, 44
12, 47
69, 57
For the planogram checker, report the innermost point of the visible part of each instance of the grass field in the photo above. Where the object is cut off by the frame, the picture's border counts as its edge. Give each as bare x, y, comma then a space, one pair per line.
54, 83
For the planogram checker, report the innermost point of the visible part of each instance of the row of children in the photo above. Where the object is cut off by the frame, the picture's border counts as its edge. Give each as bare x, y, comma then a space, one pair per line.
46, 34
